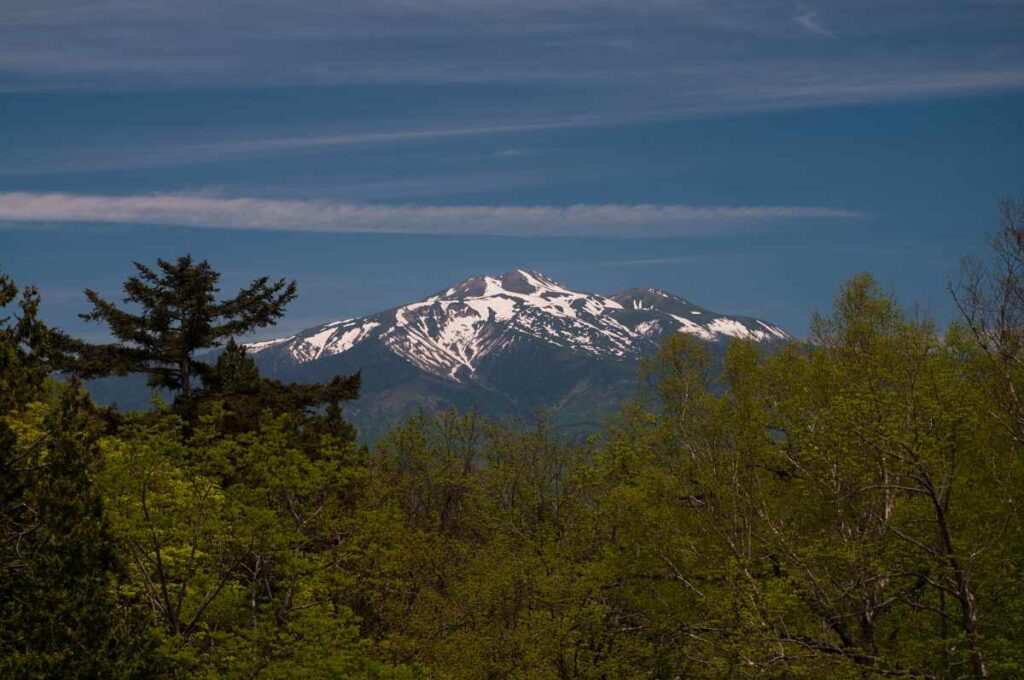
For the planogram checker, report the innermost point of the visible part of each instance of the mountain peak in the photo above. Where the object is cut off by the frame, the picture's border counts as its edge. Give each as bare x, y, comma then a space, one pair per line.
654, 298
528, 282
516, 281
455, 332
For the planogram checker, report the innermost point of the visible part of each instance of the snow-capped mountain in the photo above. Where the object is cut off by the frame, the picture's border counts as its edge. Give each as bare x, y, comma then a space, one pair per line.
459, 333
505, 345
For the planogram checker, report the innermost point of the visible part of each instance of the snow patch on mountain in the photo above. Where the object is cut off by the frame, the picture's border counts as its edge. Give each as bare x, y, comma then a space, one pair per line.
648, 328
333, 338
254, 347
692, 328
448, 334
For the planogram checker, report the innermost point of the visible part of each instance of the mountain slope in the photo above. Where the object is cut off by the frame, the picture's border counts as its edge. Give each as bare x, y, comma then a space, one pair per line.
507, 344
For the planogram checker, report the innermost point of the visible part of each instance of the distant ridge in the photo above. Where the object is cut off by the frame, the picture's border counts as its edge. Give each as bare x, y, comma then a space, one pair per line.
450, 333
506, 344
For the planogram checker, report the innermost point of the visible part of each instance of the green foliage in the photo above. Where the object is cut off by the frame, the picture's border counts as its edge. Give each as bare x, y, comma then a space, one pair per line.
481, 585
235, 541
61, 615
836, 511
25, 344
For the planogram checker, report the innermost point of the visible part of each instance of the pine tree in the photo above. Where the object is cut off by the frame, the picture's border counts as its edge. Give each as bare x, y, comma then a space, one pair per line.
58, 564
245, 397
178, 316
27, 346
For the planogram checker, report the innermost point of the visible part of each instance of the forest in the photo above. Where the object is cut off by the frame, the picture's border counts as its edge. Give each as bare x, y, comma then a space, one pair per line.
849, 506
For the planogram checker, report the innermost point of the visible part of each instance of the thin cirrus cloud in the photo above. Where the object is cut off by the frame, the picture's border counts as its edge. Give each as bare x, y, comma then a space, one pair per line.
809, 22
169, 154
593, 48
464, 70
801, 88
192, 210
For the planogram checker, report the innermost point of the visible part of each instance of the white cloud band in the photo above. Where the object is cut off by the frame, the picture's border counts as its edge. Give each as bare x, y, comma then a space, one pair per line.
327, 216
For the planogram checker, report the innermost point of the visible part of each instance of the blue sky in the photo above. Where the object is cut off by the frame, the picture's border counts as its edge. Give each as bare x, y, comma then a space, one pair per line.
749, 156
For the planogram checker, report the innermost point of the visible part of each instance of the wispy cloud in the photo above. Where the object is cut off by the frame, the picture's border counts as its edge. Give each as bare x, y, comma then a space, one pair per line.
809, 22
327, 216
790, 86
656, 261
595, 48
375, 137
167, 154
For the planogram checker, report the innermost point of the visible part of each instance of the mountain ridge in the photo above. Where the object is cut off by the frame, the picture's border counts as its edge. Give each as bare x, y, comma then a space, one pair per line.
505, 344
448, 333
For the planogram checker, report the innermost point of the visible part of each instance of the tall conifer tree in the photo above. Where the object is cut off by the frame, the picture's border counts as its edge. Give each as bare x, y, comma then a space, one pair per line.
178, 315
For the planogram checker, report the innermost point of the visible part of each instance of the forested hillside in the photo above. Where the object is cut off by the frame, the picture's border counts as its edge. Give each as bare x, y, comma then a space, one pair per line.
848, 507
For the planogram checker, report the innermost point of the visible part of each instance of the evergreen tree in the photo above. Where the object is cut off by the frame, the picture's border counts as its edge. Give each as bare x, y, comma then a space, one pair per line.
178, 315
58, 560
28, 348
234, 386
